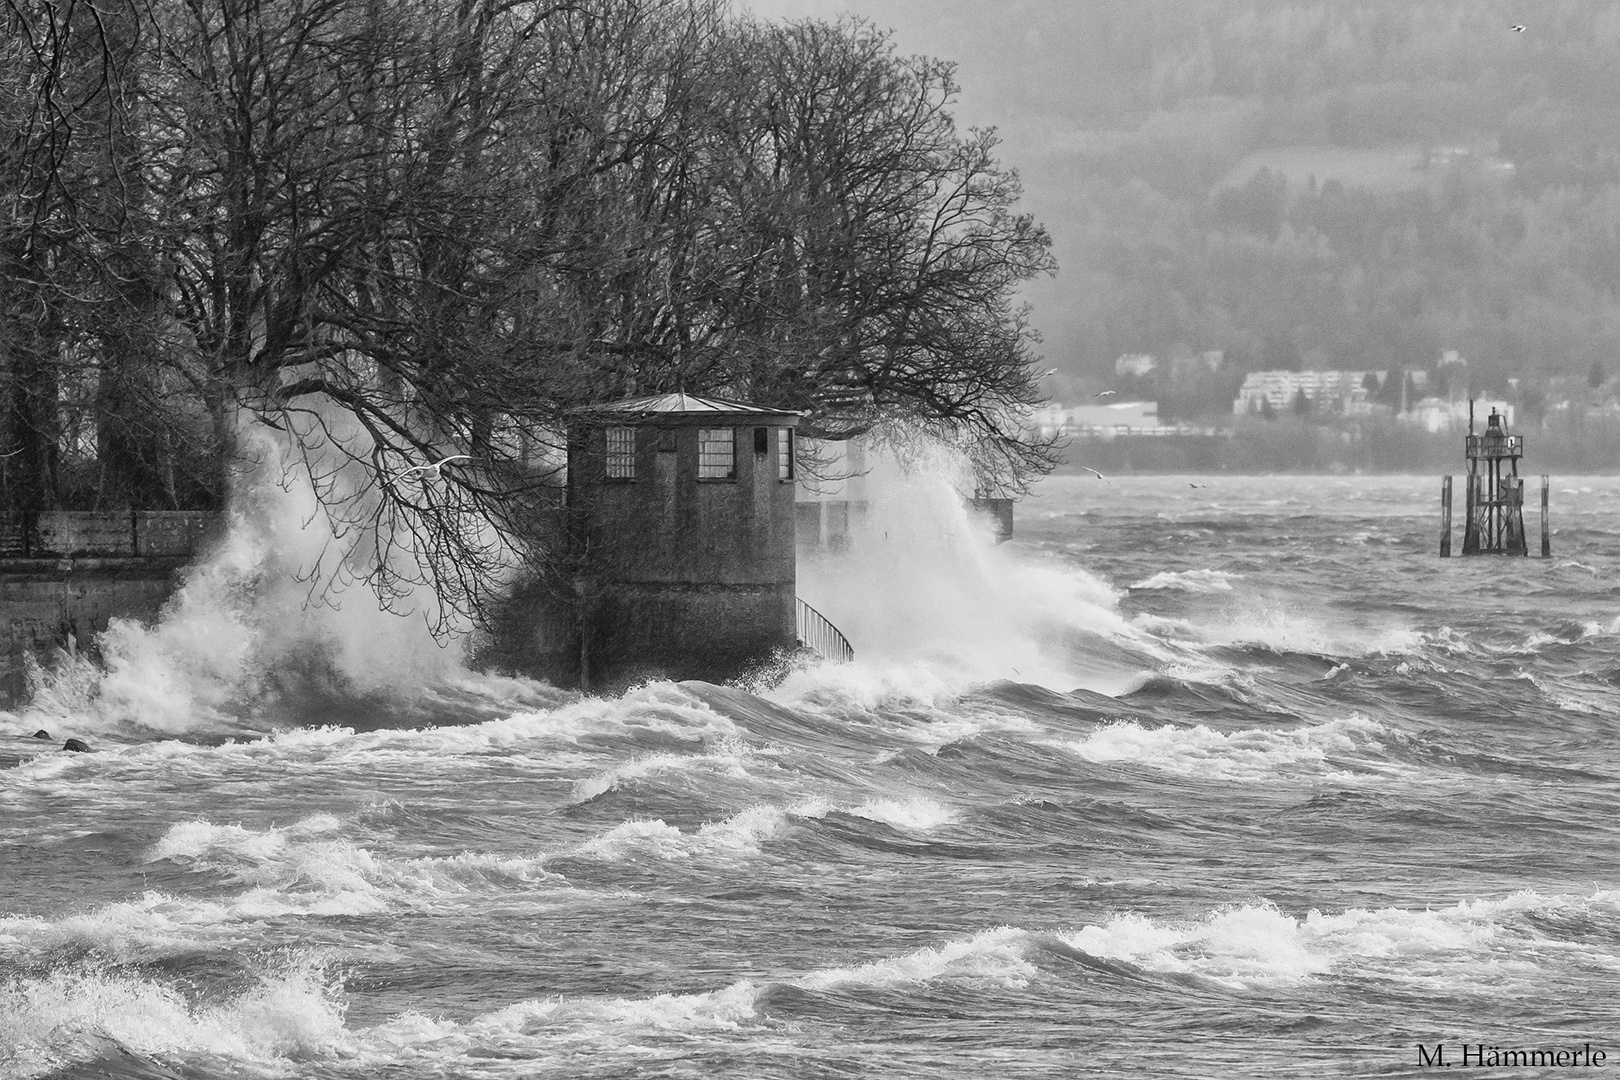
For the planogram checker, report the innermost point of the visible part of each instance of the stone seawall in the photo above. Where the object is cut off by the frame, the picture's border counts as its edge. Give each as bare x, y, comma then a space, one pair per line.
64, 575
50, 604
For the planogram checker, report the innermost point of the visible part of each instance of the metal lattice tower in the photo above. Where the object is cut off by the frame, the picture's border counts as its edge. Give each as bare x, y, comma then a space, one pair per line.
1494, 521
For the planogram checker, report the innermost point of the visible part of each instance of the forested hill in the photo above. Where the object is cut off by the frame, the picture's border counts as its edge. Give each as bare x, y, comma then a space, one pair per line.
1357, 184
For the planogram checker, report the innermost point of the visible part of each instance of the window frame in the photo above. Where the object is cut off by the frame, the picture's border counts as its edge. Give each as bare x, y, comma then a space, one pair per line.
621, 457
786, 463
730, 442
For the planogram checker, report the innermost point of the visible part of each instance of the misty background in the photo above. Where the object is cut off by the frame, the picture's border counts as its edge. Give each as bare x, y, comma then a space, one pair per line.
1304, 185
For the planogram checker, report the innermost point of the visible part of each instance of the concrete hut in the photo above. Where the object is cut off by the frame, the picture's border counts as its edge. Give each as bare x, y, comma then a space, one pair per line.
680, 520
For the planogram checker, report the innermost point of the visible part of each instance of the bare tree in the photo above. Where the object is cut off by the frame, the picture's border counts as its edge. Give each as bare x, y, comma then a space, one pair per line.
399, 232
91, 417
816, 233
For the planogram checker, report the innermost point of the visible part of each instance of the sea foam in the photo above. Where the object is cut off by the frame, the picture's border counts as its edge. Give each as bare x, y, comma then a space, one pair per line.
1191, 581
924, 582
294, 1010
1252, 754
274, 602
736, 836
311, 868
1474, 943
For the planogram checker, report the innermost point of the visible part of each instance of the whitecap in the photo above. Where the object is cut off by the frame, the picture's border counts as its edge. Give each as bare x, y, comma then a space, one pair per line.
1192, 581
1472, 943
295, 1010
308, 868
1251, 754
915, 814
729, 759
726, 1008
736, 836
993, 956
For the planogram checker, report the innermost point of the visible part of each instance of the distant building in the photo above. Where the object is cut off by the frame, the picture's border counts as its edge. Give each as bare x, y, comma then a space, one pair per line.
1107, 421
1437, 415
1341, 393
832, 495
835, 493
1119, 417
1048, 419
1128, 416
1134, 365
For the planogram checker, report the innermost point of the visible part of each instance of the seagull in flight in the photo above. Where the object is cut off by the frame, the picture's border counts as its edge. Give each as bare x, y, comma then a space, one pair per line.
434, 471
1191, 484
1106, 393
1098, 475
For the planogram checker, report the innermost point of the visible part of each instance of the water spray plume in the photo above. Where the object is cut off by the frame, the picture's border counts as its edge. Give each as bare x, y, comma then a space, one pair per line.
277, 608
923, 586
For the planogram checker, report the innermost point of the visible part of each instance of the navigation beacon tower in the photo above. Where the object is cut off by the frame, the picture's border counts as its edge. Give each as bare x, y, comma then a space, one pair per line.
1495, 497
1493, 515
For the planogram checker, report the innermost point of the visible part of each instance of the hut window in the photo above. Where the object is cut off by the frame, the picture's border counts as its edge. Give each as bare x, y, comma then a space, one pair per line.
784, 454
621, 453
717, 454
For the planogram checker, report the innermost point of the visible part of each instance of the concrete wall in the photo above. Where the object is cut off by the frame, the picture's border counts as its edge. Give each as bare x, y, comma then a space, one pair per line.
107, 533
827, 523
64, 574
49, 604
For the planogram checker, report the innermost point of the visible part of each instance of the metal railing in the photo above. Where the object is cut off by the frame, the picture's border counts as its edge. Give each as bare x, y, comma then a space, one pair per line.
815, 632
1494, 446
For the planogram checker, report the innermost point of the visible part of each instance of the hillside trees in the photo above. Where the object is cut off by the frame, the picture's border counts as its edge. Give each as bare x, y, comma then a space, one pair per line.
1370, 182
392, 232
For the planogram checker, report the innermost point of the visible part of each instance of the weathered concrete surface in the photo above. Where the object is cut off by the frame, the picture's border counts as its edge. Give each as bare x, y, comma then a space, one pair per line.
107, 533
66, 574
683, 577
664, 573
48, 604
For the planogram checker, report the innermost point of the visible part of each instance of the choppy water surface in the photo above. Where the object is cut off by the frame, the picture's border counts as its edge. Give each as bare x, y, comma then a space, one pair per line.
1229, 780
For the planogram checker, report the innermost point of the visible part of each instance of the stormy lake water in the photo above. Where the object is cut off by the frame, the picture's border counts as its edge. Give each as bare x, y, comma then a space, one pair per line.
1227, 780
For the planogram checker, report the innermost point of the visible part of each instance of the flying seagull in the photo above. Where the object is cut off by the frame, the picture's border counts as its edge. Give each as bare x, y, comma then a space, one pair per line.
1098, 475
434, 471
1191, 484
1106, 393
1517, 28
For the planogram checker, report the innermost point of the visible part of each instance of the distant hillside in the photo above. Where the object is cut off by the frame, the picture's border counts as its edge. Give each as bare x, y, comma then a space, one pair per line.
1356, 184
1396, 167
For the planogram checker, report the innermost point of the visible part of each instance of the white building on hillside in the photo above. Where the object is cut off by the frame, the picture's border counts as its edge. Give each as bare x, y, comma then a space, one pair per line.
1106, 421
1437, 415
1339, 392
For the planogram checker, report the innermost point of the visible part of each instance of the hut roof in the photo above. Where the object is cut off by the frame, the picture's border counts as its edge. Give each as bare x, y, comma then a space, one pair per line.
673, 405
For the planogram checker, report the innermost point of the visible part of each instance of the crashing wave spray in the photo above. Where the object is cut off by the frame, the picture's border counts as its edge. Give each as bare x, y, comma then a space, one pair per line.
923, 584
276, 600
